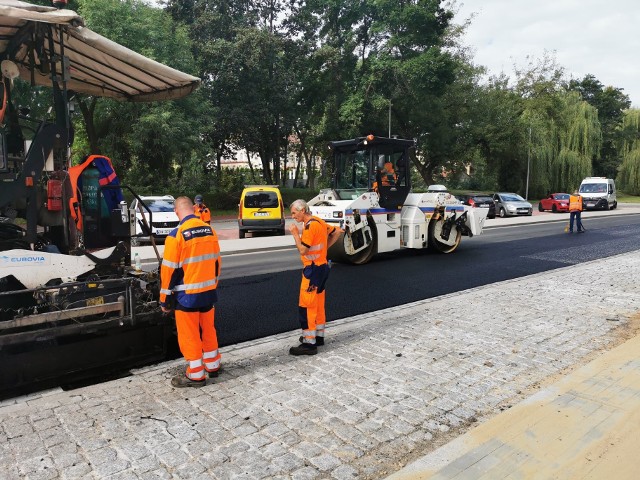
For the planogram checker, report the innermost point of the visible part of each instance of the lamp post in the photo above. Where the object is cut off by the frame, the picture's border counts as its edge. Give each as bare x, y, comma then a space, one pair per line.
526, 194
389, 118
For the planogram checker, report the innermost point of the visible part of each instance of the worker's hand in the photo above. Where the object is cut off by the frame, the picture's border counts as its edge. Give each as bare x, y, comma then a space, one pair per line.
293, 228
165, 310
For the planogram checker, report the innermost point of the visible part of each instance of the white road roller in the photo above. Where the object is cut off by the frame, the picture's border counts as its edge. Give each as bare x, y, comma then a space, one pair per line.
372, 202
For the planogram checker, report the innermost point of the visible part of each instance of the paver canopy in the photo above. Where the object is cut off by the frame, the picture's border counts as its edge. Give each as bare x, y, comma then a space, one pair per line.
96, 65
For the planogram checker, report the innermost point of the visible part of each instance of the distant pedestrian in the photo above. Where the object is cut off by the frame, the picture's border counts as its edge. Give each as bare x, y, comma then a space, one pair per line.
201, 210
575, 209
189, 273
317, 236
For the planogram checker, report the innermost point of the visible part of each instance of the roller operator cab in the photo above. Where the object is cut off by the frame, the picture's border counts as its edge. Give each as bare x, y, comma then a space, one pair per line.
372, 202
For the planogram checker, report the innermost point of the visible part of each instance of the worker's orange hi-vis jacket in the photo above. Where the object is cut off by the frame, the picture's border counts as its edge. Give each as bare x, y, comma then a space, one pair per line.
203, 213
190, 264
575, 203
314, 237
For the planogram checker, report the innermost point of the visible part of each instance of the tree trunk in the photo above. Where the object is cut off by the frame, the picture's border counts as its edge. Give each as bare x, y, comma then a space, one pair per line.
90, 127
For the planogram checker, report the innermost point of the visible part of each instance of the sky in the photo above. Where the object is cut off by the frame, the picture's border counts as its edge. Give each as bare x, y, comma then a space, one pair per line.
595, 37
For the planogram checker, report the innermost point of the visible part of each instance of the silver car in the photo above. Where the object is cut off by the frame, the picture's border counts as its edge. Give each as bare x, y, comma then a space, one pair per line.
511, 204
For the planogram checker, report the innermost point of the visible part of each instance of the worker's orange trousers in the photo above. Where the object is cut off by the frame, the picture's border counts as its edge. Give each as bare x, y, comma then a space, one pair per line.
198, 342
311, 312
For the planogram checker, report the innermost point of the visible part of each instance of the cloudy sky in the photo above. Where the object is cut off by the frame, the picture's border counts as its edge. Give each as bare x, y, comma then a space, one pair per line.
588, 37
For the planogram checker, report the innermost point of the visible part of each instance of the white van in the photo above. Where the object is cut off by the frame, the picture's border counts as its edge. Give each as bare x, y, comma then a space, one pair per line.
598, 193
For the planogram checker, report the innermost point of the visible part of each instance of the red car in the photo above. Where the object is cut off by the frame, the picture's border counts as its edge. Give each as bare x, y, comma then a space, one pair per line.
556, 202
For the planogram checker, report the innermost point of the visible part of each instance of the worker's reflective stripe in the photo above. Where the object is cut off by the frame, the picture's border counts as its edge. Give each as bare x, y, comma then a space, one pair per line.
167, 263
195, 286
211, 360
165, 291
200, 258
195, 371
320, 330
309, 336
313, 256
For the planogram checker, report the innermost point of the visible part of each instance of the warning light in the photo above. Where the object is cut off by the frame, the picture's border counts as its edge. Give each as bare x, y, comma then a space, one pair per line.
370, 138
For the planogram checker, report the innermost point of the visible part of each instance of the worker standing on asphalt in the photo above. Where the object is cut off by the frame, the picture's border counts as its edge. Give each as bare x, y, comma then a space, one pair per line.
575, 209
189, 274
201, 211
313, 244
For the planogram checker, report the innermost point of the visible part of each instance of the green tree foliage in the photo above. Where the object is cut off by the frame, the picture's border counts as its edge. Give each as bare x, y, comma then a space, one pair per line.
629, 174
145, 141
610, 103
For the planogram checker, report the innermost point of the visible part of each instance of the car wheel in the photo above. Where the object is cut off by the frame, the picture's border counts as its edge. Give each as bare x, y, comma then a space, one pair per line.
615, 205
540, 209
554, 209
241, 233
502, 213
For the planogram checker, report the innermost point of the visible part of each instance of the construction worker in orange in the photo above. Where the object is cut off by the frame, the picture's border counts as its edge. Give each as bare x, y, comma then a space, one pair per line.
201, 210
388, 174
189, 277
575, 209
317, 236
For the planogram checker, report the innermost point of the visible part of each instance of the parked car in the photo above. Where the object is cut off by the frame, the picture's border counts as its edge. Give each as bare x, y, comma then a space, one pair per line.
556, 202
598, 193
162, 214
261, 209
510, 204
479, 200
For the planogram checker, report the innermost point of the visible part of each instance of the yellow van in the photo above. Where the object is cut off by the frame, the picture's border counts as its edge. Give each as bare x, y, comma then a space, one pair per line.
261, 209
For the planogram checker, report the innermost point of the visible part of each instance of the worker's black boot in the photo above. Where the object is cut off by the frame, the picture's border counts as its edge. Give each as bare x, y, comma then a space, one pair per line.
304, 349
180, 381
319, 341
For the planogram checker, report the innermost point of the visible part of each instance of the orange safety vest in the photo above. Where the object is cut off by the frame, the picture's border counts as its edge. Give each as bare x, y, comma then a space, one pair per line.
315, 237
107, 176
575, 203
203, 213
388, 175
191, 261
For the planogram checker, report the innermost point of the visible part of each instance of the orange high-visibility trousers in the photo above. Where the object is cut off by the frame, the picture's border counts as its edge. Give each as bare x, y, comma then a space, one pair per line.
311, 311
195, 345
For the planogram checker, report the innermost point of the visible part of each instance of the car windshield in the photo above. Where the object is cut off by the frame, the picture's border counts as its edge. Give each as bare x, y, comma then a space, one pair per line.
482, 198
260, 200
159, 205
512, 197
562, 196
593, 188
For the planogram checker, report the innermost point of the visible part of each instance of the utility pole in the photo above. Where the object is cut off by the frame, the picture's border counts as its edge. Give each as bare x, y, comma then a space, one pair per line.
389, 118
526, 195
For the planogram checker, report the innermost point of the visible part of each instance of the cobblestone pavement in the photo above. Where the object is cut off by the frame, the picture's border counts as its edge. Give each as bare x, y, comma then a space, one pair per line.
387, 387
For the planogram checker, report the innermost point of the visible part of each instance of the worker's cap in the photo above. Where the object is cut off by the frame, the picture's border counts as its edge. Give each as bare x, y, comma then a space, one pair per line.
198, 199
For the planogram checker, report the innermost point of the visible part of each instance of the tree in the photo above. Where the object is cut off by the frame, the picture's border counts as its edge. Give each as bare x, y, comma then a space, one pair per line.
154, 136
629, 174
611, 103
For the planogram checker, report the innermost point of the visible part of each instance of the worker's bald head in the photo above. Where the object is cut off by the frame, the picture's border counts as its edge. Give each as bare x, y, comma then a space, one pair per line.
183, 206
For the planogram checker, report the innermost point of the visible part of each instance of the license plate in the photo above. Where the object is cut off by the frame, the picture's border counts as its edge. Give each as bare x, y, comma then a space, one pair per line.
95, 301
163, 231
484, 206
261, 214
591, 204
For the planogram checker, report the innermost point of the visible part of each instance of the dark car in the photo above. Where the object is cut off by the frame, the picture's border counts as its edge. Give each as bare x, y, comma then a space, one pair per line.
479, 200
556, 202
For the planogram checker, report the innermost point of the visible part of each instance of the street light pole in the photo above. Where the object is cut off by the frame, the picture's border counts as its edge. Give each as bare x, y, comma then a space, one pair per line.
526, 195
389, 118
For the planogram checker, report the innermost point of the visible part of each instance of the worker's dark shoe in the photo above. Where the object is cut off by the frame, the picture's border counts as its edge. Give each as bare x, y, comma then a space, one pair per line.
180, 381
304, 349
581, 231
319, 341
215, 373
